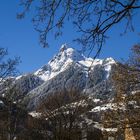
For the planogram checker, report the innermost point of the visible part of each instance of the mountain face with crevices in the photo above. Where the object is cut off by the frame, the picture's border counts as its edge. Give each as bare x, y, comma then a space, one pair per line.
69, 70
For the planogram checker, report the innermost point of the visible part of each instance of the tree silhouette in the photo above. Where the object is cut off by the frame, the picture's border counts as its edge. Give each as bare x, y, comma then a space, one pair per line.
126, 80
7, 65
92, 18
7, 69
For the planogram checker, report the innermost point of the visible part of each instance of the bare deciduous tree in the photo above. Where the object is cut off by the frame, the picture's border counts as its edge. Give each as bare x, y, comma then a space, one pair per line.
7, 66
93, 18
7, 69
61, 116
126, 80
134, 58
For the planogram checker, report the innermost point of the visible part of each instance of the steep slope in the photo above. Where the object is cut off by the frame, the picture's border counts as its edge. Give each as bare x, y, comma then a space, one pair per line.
17, 88
70, 70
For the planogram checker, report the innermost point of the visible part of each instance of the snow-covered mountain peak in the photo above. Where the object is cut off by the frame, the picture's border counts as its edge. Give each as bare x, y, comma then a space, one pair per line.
67, 52
63, 47
65, 58
109, 60
69, 70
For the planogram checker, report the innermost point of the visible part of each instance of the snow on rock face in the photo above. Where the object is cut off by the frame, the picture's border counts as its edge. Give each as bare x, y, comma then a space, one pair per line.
1, 102
70, 53
35, 114
66, 57
71, 70
68, 70
110, 106
59, 63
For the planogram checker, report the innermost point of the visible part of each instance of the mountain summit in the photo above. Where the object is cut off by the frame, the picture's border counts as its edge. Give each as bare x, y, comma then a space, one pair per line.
71, 70
68, 70
66, 57
74, 89
59, 62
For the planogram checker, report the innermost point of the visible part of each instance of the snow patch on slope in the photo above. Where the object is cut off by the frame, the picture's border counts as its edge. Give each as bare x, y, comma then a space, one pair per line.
111, 106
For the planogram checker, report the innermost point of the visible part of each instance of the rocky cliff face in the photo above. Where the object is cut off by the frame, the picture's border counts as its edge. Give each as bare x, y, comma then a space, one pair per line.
67, 71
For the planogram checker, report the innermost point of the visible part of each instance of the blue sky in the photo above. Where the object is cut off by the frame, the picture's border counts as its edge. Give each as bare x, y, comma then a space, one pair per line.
19, 37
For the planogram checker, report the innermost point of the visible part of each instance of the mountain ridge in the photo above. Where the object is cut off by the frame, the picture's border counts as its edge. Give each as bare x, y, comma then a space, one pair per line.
64, 58
67, 70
